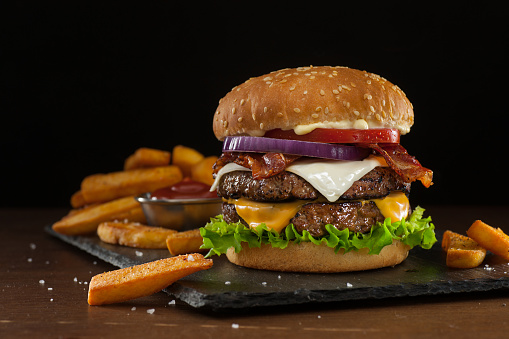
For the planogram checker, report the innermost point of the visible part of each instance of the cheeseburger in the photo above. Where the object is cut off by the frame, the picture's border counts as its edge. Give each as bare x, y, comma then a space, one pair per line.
312, 175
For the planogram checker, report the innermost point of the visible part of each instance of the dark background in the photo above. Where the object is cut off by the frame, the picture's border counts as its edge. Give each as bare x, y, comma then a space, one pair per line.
84, 84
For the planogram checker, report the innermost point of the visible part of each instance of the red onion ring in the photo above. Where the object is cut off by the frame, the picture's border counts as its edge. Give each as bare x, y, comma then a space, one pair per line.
303, 148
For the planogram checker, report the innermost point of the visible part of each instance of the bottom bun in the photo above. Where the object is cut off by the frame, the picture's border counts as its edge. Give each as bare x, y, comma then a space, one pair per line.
308, 257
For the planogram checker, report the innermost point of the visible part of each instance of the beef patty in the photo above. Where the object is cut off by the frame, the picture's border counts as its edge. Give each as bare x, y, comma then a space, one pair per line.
313, 217
377, 183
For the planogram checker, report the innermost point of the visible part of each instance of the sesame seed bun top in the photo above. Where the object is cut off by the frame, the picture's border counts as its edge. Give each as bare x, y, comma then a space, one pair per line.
306, 98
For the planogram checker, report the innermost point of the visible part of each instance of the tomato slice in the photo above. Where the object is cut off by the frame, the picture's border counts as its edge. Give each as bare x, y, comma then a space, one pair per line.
340, 136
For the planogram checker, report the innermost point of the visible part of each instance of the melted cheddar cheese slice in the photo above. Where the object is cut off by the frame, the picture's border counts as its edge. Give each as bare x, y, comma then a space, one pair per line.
277, 215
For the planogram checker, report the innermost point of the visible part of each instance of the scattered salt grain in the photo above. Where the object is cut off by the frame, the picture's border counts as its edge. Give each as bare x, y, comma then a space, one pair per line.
151, 310
51, 299
134, 308
139, 253
85, 282
94, 262
32, 246
319, 317
47, 262
349, 285
235, 325
75, 279
227, 282
279, 277
488, 268
264, 283
41, 282
171, 302
50, 288
29, 259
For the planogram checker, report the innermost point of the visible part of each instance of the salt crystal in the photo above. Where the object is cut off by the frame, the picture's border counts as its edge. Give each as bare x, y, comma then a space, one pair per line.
151, 310
50, 288
75, 279
227, 282
264, 283
279, 277
319, 317
349, 285
85, 282
235, 325
139, 253
29, 259
41, 282
51, 299
32, 246
94, 262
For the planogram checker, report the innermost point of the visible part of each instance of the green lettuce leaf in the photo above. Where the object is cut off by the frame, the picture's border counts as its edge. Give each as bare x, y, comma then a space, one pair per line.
218, 235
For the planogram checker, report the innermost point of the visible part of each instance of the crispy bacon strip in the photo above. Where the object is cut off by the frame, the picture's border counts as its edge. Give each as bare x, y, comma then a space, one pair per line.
262, 165
269, 164
403, 163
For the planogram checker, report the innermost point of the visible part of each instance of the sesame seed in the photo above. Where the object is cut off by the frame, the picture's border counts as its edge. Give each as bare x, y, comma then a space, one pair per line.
225, 124
356, 113
296, 110
283, 81
279, 114
292, 88
326, 110
312, 77
233, 110
383, 102
254, 117
242, 102
346, 87
305, 92
318, 109
322, 92
335, 91
268, 82
314, 115
240, 119
372, 109
267, 78
377, 116
265, 109
352, 84
368, 96
368, 82
261, 125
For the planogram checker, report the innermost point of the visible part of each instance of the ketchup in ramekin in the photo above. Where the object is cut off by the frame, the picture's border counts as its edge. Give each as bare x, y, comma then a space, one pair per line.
186, 189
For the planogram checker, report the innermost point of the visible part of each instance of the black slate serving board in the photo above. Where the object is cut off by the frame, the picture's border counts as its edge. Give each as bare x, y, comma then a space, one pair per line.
227, 286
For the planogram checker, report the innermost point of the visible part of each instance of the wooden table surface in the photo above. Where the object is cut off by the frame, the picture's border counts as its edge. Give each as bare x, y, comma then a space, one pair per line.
44, 284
